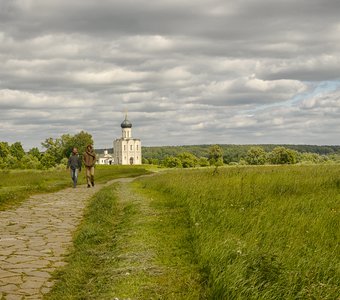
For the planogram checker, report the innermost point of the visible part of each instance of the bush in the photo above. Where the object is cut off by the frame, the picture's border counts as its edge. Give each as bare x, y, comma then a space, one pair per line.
187, 159
282, 156
172, 162
256, 156
203, 162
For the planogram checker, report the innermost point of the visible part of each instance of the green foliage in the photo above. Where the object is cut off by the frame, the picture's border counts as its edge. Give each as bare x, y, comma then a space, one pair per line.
282, 155
30, 162
48, 160
60, 148
54, 148
215, 156
312, 158
233, 153
256, 156
203, 162
11, 162
154, 161
145, 161
264, 232
17, 150
172, 162
4, 149
79, 140
187, 159
35, 152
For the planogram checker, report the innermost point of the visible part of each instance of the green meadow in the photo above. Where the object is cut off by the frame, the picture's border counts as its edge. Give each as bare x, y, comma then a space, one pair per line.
261, 232
269, 232
17, 185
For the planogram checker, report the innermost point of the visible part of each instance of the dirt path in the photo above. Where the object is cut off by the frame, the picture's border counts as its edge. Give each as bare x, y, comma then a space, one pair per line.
35, 237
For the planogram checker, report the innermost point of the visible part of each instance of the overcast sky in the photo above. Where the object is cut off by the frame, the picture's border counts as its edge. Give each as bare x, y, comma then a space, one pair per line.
187, 72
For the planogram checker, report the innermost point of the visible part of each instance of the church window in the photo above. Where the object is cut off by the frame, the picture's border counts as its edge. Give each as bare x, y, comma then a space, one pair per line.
130, 147
124, 147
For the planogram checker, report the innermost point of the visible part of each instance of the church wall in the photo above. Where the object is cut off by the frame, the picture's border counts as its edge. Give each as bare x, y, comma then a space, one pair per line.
124, 149
127, 150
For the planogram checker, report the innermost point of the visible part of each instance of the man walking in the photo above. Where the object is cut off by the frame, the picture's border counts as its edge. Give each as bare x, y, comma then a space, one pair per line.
89, 158
74, 163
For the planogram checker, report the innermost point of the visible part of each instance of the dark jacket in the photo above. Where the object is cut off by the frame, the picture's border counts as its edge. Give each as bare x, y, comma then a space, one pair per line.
74, 162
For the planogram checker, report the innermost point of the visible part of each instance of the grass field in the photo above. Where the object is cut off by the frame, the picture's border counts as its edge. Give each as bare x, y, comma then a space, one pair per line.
129, 247
17, 185
261, 232
244, 233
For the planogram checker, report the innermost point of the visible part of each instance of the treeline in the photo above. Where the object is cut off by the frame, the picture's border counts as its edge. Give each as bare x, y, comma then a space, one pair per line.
56, 152
242, 154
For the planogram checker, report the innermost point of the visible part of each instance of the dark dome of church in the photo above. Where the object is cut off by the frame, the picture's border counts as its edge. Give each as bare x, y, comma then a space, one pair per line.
126, 123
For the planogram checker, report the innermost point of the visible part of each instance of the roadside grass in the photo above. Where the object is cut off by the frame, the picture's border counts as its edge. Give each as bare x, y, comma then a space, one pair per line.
88, 272
17, 185
261, 232
129, 246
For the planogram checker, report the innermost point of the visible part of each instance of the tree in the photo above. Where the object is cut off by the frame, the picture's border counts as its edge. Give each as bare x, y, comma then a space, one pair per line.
54, 149
215, 156
145, 161
281, 155
154, 161
62, 147
79, 140
172, 162
187, 159
35, 153
17, 150
48, 160
312, 158
4, 149
203, 162
256, 156
30, 162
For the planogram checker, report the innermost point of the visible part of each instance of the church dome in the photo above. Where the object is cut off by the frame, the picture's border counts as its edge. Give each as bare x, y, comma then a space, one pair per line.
126, 123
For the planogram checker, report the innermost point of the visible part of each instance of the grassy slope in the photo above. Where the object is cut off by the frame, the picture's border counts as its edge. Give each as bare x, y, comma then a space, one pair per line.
262, 232
17, 185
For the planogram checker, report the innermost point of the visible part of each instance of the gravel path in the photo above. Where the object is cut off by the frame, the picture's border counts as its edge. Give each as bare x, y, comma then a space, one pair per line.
35, 237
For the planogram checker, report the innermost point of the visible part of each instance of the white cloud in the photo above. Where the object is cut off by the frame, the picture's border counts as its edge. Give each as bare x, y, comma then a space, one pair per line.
199, 71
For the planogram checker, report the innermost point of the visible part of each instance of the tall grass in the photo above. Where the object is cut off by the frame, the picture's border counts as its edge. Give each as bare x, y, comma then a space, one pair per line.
262, 232
17, 185
88, 274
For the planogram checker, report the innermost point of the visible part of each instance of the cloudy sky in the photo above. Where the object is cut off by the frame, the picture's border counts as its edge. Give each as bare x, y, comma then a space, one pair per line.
187, 72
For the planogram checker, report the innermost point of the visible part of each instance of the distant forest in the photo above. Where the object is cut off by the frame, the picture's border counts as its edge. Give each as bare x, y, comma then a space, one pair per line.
231, 153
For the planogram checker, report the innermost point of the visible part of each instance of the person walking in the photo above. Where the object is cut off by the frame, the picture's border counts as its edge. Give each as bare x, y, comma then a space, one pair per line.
74, 164
89, 158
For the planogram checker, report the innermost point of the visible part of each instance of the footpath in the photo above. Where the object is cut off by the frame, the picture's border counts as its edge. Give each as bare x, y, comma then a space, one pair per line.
35, 237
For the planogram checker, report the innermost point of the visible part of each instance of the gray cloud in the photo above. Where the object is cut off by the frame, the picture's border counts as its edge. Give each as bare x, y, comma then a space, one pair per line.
187, 71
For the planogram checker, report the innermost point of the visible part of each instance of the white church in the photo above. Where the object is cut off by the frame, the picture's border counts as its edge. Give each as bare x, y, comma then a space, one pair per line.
127, 150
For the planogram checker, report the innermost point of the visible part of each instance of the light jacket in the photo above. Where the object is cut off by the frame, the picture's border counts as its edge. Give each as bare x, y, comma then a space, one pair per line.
89, 158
